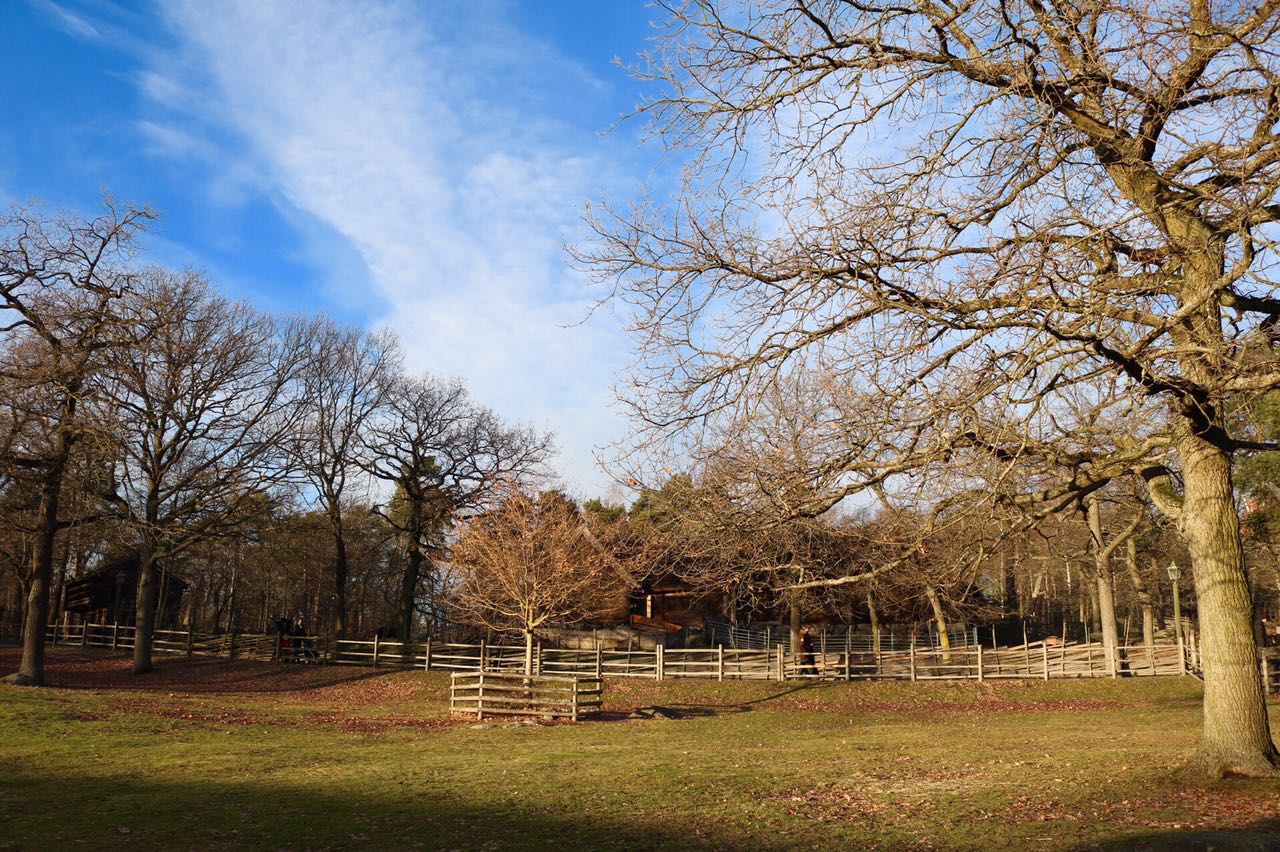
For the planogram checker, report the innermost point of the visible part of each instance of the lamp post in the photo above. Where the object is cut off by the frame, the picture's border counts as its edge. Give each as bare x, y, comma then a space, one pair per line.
1174, 573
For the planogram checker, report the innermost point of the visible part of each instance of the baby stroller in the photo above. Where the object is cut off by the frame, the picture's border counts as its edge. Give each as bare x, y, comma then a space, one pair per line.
292, 643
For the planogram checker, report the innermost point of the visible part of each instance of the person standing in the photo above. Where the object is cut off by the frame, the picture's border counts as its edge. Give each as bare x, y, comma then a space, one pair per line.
807, 664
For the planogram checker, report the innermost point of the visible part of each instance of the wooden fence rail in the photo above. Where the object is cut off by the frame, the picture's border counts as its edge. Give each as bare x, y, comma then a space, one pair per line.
549, 696
1034, 660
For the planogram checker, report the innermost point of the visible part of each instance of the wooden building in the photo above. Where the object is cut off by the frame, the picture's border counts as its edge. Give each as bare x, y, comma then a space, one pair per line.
106, 596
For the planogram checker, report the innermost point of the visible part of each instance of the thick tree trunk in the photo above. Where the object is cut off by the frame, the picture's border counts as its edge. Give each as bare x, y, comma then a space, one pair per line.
144, 620
1104, 593
36, 614
340, 585
409, 593
1107, 613
1236, 739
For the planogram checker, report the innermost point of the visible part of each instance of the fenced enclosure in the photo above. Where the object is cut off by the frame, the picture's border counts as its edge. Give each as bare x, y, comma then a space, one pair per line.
891, 638
1036, 660
548, 696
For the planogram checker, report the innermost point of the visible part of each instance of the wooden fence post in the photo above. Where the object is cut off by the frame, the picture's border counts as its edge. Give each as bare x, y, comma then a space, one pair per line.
1266, 672
426, 660
848, 656
483, 643
115, 635
599, 659
980, 677
84, 635
913, 657
537, 658
231, 651
376, 642
1045, 648
720, 662
781, 670
657, 661
574, 710
189, 642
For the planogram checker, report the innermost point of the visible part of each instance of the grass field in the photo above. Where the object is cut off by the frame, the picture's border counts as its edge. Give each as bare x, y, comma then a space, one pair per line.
216, 754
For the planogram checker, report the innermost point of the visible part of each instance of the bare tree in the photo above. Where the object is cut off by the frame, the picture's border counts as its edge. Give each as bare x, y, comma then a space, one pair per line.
1070, 193
447, 458
345, 382
529, 563
201, 402
60, 279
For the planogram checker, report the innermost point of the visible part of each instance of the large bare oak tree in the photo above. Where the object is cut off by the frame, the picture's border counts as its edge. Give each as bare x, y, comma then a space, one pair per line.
60, 281
971, 214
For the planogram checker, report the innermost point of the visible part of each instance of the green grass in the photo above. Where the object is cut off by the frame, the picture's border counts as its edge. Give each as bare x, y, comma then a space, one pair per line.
217, 754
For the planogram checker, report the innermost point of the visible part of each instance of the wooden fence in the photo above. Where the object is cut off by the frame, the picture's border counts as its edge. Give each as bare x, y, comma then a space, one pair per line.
1035, 660
499, 694
249, 646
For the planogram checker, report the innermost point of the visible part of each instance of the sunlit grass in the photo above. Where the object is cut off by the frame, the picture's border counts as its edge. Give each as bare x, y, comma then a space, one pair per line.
352, 759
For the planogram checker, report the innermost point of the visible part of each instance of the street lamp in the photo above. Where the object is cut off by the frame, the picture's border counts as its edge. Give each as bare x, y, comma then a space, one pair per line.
1174, 573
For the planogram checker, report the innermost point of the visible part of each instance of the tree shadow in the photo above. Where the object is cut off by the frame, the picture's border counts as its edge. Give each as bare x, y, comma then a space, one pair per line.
687, 710
90, 670
185, 813
1261, 836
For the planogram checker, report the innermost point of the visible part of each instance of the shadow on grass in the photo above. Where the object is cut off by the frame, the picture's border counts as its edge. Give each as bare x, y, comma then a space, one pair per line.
682, 710
95, 670
1261, 836
49, 812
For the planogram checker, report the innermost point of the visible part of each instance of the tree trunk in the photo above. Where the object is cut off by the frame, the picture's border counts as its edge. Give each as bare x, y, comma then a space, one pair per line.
36, 615
875, 622
795, 623
409, 592
1143, 594
1103, 593
144, 620
1236, 739
528, 652
1095, 610
340, 585
940, 618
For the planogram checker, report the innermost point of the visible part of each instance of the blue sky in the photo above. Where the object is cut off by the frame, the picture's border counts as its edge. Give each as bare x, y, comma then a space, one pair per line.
415, 165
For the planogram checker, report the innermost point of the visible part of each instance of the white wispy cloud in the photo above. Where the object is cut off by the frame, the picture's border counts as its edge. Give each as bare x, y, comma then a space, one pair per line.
69, 21
433, 145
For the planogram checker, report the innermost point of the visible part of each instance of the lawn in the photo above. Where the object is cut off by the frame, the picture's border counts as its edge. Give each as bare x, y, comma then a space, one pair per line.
215, 754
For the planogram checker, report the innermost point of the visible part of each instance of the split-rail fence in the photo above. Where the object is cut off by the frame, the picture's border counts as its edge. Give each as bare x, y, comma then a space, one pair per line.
1035, 660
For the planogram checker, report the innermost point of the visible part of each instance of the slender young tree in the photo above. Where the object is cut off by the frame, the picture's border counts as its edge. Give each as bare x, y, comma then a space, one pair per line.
347, 376
997, 204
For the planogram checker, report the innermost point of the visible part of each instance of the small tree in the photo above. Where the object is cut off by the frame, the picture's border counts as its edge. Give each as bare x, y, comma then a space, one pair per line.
528, 563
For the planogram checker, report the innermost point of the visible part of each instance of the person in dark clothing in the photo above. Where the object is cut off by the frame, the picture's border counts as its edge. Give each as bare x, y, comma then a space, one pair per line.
807, 664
